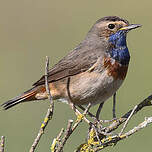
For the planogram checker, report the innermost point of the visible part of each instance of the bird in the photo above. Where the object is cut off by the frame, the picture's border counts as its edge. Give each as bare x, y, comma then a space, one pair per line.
96, 68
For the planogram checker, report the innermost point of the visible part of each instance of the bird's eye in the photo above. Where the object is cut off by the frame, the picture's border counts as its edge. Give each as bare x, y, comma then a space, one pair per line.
111, 26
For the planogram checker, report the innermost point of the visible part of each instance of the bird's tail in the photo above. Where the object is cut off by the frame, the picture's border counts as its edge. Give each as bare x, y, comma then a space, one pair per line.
26, 96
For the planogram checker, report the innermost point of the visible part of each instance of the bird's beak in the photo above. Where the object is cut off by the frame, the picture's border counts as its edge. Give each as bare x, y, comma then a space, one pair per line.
130, 27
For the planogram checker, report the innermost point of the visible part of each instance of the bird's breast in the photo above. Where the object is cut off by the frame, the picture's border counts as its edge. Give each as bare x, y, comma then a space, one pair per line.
115, 69
93, 86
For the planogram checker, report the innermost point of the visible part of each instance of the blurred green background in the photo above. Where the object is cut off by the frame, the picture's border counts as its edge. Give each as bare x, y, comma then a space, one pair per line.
32, 29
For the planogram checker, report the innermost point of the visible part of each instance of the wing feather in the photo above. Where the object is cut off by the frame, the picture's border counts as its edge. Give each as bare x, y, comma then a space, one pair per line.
76, 61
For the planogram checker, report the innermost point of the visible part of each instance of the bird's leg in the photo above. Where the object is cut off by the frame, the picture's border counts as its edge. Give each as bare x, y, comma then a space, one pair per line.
113, 110
94, 130
114, 106
99, 110
96, 125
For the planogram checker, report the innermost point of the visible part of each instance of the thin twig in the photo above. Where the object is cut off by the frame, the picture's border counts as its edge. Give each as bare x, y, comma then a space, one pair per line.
108, 121
56, 141
78, 113
66, 136
96, 132
112, 140
118, 122
49, 114
60, 134
41, 131
71, 129
139, 127
106, 136
89, 113
126, 122
2, 142
83, 117
47, 82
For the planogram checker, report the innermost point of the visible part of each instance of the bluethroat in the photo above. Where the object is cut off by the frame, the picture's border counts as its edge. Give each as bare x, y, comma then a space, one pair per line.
97, 67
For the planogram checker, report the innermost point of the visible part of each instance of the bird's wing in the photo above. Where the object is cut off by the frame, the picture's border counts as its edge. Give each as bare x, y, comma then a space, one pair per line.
77, 61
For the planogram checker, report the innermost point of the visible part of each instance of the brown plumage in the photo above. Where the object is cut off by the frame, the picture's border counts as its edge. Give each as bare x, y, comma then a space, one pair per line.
93, 77
115, 69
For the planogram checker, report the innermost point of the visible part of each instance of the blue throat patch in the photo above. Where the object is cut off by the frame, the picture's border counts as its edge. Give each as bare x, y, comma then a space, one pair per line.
120, 51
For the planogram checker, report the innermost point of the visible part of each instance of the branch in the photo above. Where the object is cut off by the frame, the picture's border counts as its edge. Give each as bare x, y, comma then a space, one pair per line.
93, 144
57, 141
112, 140
66, 136
58, 146
117, 123
2, 142
49, 114
127, 120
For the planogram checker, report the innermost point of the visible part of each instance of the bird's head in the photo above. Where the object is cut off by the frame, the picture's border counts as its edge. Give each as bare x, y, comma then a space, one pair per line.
113, 29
